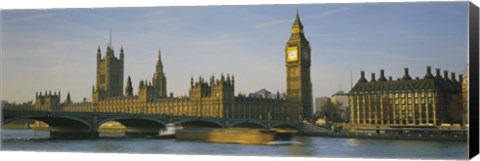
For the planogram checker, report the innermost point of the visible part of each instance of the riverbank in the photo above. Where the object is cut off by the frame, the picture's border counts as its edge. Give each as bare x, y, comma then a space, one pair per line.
425, 137
317, 133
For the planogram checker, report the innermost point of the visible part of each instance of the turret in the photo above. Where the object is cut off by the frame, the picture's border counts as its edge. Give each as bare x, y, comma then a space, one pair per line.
109, 74
191, 82
68, 100
129, 88
228, 79
159, 80
212, 80
99, 55
122, 55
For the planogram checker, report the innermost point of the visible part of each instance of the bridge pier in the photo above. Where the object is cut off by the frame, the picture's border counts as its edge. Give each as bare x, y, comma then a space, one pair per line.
72, 133
69, 135
141, 131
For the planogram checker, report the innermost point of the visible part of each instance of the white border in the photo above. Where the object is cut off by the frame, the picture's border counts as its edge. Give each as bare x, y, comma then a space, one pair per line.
49, 4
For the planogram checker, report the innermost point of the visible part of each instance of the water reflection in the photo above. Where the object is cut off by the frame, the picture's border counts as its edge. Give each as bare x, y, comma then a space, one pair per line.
352, 142
28, 140
303, 149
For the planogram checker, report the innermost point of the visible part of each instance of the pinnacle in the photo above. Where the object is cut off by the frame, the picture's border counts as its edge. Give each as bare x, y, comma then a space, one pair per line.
297, 21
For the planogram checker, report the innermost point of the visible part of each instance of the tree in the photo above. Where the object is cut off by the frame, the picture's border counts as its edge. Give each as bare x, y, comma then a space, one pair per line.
456, 110
331, 110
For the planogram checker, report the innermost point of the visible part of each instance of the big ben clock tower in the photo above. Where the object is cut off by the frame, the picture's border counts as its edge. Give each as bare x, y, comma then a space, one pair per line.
299, 85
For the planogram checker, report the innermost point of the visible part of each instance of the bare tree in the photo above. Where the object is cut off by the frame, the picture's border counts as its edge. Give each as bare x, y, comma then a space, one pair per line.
332, 110
456, 110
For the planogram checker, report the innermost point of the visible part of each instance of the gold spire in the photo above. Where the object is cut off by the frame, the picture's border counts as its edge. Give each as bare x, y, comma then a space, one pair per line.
159, 66
297, 26
297, 22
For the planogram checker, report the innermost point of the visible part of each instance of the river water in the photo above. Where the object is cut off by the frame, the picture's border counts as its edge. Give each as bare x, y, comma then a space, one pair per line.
302, 146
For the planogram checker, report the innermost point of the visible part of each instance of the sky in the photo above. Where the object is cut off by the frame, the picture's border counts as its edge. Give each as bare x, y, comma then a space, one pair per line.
55, 49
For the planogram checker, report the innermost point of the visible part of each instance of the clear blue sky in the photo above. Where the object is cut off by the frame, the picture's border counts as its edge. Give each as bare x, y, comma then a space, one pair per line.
56, 49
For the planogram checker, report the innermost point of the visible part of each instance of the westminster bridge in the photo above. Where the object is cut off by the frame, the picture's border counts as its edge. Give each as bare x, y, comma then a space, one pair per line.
86, 124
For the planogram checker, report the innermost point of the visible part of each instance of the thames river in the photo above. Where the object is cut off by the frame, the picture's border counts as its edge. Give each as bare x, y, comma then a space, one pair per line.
302, 146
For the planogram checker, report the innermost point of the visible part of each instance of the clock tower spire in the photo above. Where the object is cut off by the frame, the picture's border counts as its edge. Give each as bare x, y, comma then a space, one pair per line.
299, 85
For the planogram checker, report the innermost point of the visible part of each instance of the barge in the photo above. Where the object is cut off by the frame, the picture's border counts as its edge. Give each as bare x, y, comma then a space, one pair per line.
232, 135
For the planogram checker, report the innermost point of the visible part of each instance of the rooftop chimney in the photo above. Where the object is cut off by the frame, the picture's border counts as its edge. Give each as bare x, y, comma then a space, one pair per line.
438, 76
429, 73
453, 77
382, 76
460, 79
445, 74
373, 78
390, 78
406, 76
362, 77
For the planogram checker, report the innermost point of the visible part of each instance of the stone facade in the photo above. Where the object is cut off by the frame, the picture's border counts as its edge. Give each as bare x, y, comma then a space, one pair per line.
109, 74
47, 101
213, 98
299, 85
405, 102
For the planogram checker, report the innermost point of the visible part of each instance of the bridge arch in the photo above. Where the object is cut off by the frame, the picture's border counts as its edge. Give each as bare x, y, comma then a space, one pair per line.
126, 119
61, 126
54, 120
201, 123
137, 126
249, 124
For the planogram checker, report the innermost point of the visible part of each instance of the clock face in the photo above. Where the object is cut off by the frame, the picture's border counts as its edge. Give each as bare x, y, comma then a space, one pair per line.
292, 54
305, 55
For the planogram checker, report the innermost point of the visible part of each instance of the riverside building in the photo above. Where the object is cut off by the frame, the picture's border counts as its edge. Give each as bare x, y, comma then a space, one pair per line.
214, 97
403, 103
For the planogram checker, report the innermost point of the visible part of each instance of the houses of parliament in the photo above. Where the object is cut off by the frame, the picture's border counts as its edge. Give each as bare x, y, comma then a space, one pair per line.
213, 97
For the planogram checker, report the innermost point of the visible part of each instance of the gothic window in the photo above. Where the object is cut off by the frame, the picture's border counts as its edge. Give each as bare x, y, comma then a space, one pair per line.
102, 78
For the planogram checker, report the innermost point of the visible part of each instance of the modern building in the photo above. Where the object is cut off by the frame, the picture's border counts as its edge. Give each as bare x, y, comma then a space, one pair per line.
207, 98
406, 102
320, 103
342, 100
